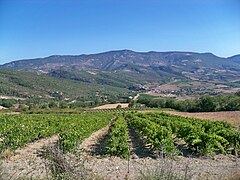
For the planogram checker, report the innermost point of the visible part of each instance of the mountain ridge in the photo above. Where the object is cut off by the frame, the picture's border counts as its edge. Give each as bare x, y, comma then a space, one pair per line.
152, 64
109, 51
117, 51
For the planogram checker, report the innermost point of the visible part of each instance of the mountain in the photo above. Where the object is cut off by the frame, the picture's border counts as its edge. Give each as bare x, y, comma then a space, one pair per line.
235, 58
117, 74
136, 66
28, 85
114, 60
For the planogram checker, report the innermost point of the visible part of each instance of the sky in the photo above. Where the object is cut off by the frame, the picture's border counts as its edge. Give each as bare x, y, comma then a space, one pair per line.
40, 28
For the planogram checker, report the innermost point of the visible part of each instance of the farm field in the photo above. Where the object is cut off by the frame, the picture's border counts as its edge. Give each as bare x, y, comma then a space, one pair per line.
18, 130
232, 117
116, 146
111, 106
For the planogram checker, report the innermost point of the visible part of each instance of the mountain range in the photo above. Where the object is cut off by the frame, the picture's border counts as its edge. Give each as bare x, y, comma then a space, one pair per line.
204, 66
128, 69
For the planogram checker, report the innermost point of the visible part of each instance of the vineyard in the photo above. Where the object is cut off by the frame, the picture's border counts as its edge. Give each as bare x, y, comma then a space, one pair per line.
161, 130
82, 111
118, 138
18, 130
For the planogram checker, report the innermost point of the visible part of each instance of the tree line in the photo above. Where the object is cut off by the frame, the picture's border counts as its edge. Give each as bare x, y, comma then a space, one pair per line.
202, 104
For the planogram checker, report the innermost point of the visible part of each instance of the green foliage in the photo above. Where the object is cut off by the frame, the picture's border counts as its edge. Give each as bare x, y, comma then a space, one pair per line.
78, 130
203, 104
159, 136
63, 105
237, 93
118, 136
202, 136
32, 85
160, 130
18, 130
7, 102
146, 96
53, 104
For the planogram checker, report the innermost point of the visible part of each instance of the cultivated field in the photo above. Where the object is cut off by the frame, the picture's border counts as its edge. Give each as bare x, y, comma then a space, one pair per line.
232, 117
112, 106
129, 145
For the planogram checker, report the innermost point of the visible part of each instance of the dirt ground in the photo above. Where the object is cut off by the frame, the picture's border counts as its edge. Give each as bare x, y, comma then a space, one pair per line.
232, 117
26, 162
1, 107
111, 106
11, 97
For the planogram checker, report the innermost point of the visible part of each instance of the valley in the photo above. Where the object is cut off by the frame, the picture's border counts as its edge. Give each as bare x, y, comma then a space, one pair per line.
190, 89
108, 77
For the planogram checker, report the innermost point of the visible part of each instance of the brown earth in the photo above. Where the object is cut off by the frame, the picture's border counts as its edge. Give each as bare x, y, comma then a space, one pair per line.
1, 107
232, 117
26, 162
11, 97
111, 106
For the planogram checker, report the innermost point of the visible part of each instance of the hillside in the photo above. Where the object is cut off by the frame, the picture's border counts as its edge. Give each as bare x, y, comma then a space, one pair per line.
115, 73
135, 66
235, 58
27, 84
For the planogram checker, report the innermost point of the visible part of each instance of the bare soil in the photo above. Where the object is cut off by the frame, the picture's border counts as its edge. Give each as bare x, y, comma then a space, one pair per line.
10, 112
26, 162
96, 143
111, 106
232, 117
11, 97
1, 107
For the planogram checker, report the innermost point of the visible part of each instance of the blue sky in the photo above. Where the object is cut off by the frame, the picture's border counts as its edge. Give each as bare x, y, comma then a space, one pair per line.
39, 28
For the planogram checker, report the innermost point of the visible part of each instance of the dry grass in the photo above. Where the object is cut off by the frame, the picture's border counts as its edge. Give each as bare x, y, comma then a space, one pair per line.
234, 175
7, 154
166, 171
65, 166
232, 117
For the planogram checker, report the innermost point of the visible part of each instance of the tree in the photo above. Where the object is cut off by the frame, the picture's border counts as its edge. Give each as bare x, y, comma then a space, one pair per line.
237, 93
118, 106
131, 104
53, 104
7, 102
206, 104
63, 105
